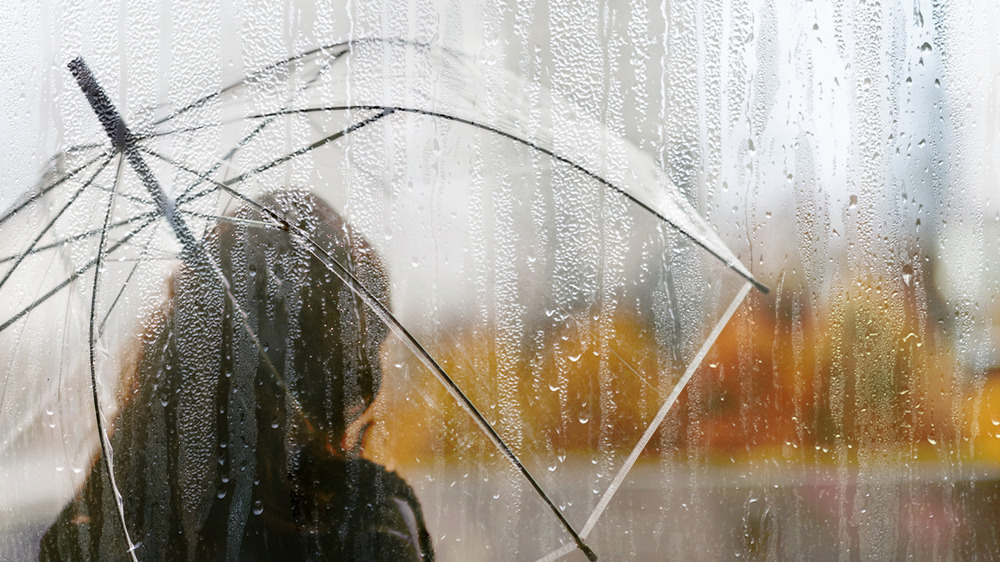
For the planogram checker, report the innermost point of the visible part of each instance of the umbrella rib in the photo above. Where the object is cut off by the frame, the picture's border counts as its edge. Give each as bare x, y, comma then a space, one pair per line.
551, 153
216, 185
186, 197
121, 291
72, 277
81, 236
205, 99
342, 49
310, 147
35, 196
425, 357
132, 198
195, 128
191, 129
234, 220
390, 320
52, 222
103, 436
204, 177
665, 408
757, 284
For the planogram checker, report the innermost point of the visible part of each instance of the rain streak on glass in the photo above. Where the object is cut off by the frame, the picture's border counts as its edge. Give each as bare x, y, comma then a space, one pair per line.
442, 279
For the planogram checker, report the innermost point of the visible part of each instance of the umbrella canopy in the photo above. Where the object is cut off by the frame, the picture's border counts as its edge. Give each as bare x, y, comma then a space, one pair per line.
552, 290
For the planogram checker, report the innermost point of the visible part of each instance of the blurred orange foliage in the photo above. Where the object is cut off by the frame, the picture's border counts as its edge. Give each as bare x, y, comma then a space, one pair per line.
788, 384
867, 377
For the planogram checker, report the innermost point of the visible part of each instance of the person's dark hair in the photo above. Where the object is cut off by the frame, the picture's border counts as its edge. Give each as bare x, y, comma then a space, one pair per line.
231, 439
314, 336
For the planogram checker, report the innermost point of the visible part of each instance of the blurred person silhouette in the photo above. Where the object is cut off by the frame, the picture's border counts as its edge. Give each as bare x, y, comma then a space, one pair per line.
233, 440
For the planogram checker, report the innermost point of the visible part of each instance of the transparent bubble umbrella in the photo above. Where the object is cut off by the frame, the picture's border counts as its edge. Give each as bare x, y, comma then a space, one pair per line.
551, 291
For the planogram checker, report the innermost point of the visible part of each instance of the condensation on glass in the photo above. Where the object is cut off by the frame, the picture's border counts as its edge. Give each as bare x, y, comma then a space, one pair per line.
678, 279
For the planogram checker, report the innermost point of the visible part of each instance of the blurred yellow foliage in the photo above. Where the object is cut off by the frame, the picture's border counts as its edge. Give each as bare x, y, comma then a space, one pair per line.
866, 378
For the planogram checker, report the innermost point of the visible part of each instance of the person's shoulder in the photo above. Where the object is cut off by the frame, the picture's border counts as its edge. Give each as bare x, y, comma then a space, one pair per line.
371, 513
399, 517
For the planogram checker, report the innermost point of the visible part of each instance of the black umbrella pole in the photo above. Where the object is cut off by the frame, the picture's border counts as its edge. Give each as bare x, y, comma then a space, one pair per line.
125, 142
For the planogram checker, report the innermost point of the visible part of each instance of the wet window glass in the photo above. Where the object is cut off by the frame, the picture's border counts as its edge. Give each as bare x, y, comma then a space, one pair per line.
512, 280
